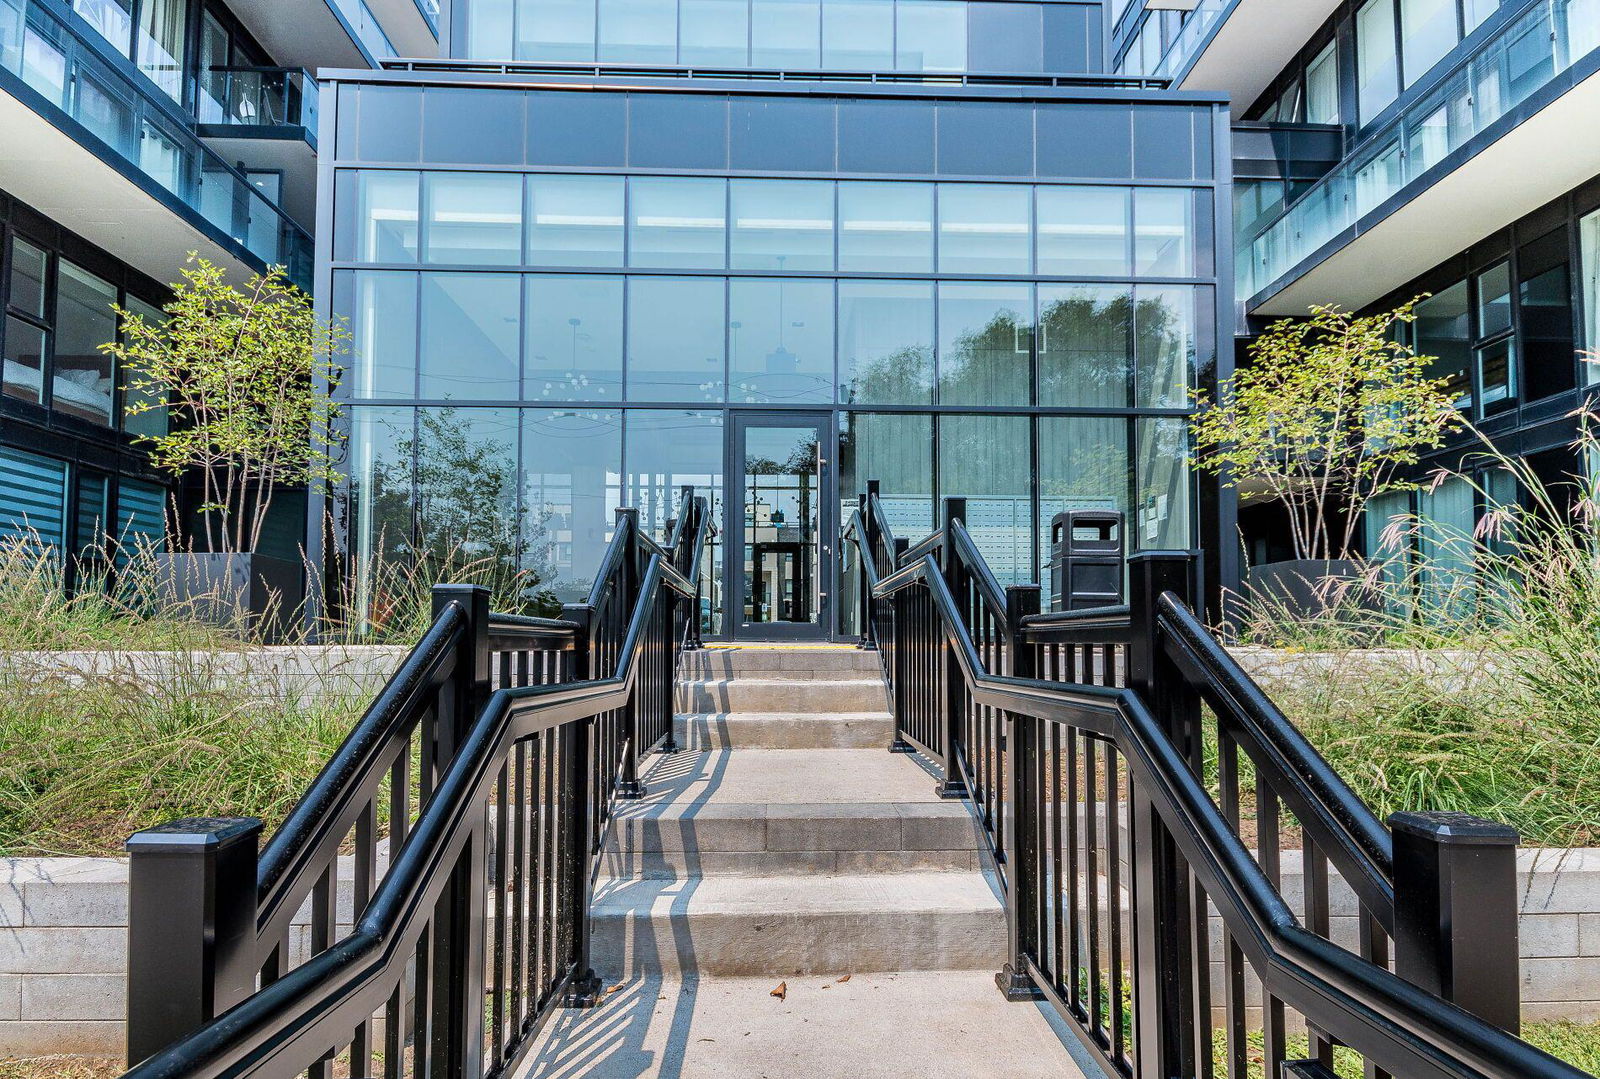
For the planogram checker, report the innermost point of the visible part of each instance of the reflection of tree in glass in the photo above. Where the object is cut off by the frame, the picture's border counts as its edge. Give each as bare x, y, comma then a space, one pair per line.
989, 365
454, 519
802, 461
899, 377
1084, 348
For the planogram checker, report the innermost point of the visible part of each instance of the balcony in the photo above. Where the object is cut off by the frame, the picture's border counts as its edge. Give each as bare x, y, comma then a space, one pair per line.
314, 34
1497, 137
105, 153
1234, 46
265, 120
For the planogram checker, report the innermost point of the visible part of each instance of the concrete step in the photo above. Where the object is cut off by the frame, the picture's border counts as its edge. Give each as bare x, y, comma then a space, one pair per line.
833, 663
693, 779
784, 730
932, 1025
787, 926
677, 841
814, 695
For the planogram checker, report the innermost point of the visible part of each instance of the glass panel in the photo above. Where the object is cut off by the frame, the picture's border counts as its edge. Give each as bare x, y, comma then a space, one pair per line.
780, 491
571, 489
81, 381
469, 336
382, 309
1163, 227
985, 344
1322, 87
1497, 370
782, 224
574, 339
386, 210
381, 494
577, 129
1494, 300
575, 220
1443, 331
886, 228
686, 132
678, 223
896, 449
553, 30
858, 35
112, 20
715, 33
24, 360
638, 31
780, 335
151, 421
985, 228
894, 137
1005, 37
27, 278
490, 29
985, 459
786, 34
1164, 344
33, 498
1446, 515
1475, 11
161, 36
675, 339
90, 524
785, 136
1377, 67
466, 489
474, 219
886, 342
1164, 485
1428, 32
1083, 230
666, 450
1545, 304
1589, 240
1083, 345
1083, 465
930, 35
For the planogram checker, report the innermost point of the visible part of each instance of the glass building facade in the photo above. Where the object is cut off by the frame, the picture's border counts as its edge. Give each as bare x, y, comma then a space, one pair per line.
579, 297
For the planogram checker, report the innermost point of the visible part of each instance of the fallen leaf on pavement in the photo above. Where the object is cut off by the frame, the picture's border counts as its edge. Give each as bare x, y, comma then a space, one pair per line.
782, 992
845, 978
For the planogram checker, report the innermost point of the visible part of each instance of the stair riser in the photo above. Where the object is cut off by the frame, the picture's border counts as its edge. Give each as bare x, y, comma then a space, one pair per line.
764, 695
682, 865
774, 730
843, 666
788, 944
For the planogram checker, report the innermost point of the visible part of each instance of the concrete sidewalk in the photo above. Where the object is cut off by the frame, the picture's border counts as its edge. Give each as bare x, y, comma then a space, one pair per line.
924, 1025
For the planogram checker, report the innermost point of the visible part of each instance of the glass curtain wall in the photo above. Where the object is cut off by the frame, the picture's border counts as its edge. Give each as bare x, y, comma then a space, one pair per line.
583, 339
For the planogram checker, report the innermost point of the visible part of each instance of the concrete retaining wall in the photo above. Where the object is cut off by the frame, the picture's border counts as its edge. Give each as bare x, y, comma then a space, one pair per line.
63, 945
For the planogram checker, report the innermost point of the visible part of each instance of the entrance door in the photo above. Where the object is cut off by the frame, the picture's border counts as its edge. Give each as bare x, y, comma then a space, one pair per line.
782, 507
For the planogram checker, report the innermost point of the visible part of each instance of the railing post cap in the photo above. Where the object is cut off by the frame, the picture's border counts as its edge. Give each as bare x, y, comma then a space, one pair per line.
1455, 829
194, 834
1164, 556
459, 589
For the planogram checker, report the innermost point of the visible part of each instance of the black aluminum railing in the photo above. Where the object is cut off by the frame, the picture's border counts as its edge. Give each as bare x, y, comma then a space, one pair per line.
425, 907
1144, 804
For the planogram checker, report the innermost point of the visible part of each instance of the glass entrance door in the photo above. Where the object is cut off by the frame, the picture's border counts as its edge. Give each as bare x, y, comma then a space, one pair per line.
783, 514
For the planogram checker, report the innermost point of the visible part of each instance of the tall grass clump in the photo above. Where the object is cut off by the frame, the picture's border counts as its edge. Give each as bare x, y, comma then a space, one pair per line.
1465, 674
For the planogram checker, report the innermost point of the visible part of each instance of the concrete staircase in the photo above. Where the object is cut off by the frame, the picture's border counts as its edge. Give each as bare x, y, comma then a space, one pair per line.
783, 843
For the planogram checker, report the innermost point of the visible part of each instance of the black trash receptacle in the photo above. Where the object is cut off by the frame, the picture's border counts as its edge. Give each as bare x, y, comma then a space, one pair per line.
1086, 559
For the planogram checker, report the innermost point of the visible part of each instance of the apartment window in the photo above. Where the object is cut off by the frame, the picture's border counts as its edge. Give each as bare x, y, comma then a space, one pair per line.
1429, 30
886, 342
573, 345
162, 32
1589, 250
886, 227
1083, 230
858, 35
782, 225
575, 220
678, 222
549, 30
33, 498
786, 33
1377, 62
26, 330
111, 19
81, 376
1443, 331
1544, 315
1495, 355
985, 228
985, 343
469, 336
639, 31
930, 35
150, 421
714, 33
473, 218
1322, 87
677, 339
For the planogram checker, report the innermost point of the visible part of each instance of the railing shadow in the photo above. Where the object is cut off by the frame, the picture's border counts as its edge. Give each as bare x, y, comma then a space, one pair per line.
612, 1043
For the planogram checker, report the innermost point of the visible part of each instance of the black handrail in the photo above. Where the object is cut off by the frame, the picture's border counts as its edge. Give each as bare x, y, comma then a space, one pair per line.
538, 723
1366, 1006
290, 1023
1116, 775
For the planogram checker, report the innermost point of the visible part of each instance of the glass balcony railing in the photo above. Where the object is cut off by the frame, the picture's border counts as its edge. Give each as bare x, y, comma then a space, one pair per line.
45, 52
1144, 56
1528, 51
366, 27
259, 97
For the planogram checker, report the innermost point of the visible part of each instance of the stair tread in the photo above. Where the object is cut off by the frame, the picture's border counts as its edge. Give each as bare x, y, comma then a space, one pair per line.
892, 894
951, 809
772, 776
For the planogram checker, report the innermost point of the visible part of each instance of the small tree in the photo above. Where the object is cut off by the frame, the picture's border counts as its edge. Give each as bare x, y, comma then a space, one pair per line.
246, 376
1326, 415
